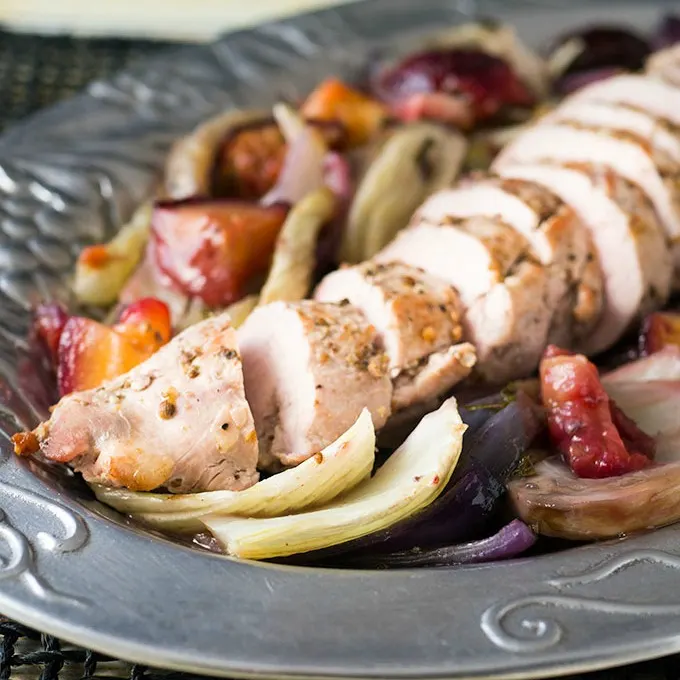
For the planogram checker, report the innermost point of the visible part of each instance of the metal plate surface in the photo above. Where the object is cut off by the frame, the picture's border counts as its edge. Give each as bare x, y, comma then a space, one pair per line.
68, 177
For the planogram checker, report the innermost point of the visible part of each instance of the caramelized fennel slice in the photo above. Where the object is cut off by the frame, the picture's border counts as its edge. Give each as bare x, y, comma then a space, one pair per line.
419, 158
411, 479
335, 470
290, 275
100, 284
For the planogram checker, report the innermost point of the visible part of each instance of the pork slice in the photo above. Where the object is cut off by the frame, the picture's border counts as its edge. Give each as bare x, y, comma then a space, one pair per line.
553, 232
588, 300
310, 368
435, 375
641, 92
482, 198
575, 280
509, 326
635, 203
473, 254
562, 144
508, 322
179, 420
665, 64
631, 250
418, 319
647, 128
414, 313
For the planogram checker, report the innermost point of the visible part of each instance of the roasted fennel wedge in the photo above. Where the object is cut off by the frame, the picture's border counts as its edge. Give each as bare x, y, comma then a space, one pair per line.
101, 271
414, 475
290, 275
335, 470
418, 158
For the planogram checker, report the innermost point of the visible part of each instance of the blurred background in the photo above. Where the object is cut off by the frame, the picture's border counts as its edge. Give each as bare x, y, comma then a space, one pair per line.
183, 20
51, 49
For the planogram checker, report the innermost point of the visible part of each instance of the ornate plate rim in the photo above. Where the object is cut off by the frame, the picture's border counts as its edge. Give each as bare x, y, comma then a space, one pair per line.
170, 606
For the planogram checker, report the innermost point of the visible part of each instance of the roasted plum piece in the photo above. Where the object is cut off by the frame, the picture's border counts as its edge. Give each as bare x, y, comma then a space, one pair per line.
248, 161
90, 353
596, 439
212, 249
191, 162
48, 325
457, 86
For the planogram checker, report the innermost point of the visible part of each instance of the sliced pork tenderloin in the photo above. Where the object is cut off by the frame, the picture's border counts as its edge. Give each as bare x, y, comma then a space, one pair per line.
433, 376
629, 243
310, 368
576, 283
471, 254
644, 127
554, 234
509, 326
418, 318
665, 64
479, 197
563, 144
179, 420
642, 92
415, 314
506, 315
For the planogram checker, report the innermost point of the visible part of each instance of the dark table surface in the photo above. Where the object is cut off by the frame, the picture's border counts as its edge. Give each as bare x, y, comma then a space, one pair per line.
37, 71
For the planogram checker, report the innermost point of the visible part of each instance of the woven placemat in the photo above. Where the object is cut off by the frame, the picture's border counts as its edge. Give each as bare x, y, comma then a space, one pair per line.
35, 72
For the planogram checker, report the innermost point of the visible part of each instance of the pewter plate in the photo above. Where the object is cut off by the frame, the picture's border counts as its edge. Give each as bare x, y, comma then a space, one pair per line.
70, 567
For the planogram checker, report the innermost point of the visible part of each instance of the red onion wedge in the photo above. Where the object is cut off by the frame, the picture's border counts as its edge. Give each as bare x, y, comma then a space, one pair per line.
308, 166
554, 502
512, 540
491, 455
337, 175
303, 168
468, 85
648, 391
